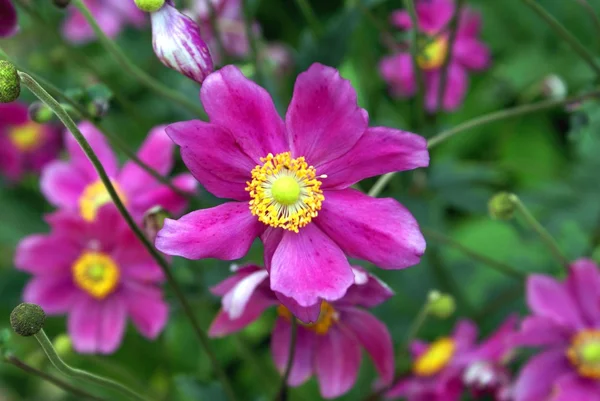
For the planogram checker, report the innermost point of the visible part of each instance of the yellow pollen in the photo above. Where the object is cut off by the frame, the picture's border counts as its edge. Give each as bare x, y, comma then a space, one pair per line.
584, 353
435, 358
26, 137
96, 273
95, 196
284, 192
433, 54
327, 318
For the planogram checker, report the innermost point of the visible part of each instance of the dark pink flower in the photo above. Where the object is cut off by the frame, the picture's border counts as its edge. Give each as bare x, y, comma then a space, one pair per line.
330, 348
25, 146
111, 15
8, 19
290, 184
75, 185
565, 323
468, 54
97, 273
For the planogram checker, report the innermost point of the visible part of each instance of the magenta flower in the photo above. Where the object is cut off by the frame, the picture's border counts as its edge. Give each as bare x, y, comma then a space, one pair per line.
566, 324
330, 348
468, 54
25, 146
442, 370
96, 272
111, 15
289, 182
75, 185
8, 19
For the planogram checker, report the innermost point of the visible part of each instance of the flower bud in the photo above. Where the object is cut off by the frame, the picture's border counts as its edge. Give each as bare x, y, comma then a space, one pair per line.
149, 6
554, 87
27, 319
40, 113
10, 82
154, 220
178, 45
440, 305
502, 206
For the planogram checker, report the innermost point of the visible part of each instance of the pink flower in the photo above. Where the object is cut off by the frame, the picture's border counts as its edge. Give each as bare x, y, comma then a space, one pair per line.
111, 15
96, 272
75, 185
566, 324
8, 19
468, 54
330, 348
289, 182
25, 146
443, 369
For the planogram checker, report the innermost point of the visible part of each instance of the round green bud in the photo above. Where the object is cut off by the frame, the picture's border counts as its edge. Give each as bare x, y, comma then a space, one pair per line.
27, 319
10, 82
502, 206
440, 305
40, 113
149, 6
154, 220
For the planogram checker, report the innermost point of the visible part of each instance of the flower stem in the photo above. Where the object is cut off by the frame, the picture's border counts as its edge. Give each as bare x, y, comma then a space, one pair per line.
282, 393
415, 51
415, 327
568, 37
67, 370
248, 18
141, 76
41, 94
81, 394
310, 17
450, 46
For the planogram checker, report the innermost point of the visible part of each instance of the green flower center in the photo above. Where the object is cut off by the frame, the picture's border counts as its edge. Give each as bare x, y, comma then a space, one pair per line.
286, 190
590, 352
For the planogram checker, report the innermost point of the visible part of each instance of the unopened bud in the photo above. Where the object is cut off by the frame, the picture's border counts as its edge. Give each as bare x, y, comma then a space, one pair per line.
61, 3
10, 82
98, 108
502, 206
40, 113
440, 305
154, 220
554, 87
178, 45
149, 6
27, 319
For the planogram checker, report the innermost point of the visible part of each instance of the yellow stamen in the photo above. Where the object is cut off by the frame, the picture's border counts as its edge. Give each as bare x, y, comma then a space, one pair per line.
327, 318
96, 273
584, 353
433, 54
26, 137
284, 192
95, 196
437, 356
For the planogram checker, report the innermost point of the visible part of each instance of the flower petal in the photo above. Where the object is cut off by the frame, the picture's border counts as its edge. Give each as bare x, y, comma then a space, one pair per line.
539, 375
235, 301
583, 284
246, 110
53, 294
469, 24
164, 196
548, 298
497, 346
45, 255
323, 120
224, 325
307, 314
14, 113
308, 266
465, 335
432, 16
397, 71
8, 18
337, 361
224, 232
230, 282
541, 331
100, 147
302, 367
147, 308
574, 387
472, 53
456, 88
368, 294
62, 184
380, 150
381, 231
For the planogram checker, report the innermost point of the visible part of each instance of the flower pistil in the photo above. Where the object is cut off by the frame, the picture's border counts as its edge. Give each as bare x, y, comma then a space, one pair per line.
96, 273
95, 196
26, 137
435, 358
584, 353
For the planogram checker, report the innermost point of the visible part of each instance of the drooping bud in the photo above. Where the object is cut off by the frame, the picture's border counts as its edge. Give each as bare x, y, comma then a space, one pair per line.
27, 319
149, 6
178, 45
502, 206
154, 220
61, 3
554, 87
8, 19
40, 113
440, 305
10, 82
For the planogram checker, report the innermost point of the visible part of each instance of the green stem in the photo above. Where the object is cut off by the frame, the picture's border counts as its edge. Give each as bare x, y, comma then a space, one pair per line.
540, 230
567, 36
67, 370
248, 25
415, 327
310, 17
81, 394
41, 94
415, 50
141, 76
450, 49
282, 394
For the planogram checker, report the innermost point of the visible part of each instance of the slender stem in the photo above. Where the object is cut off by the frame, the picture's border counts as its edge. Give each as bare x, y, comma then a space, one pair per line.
13, 360
494, 264
140, 75
248, 25
568, 37
67, 370
592, 13
541, 231
448, 282
415, 51
214, 23
310, 17
38, 91
282, 394
415, 327
449, 53
380, 184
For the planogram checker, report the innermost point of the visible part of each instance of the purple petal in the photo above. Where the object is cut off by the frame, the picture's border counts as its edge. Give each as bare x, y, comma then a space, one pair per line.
45, 255
455, 91
230, 282
472, 53
464, 335
53, 294
583, 284
14, 113
548, 298
540, 331
469, 24
11, 160
224, 232
539, 375
381, 231
397, 71
79, 161
308, 267
418, 348
8, 19
235, 301
573, 387
62, 184
337, 361
401, 19
380, 150
164, 196
306, 314
246, 110
368, 294
323, 119
375, 338
147, 308
224, 325
136, 262
499, 344
432, 16
306, 341
214, 157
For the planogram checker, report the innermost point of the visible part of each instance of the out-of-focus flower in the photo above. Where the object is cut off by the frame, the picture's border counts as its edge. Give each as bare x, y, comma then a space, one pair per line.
75, 184
8, 19
25, 146
330, 348
278, 58
111, 15
468, 54
442, 370
96, 272
565, 323
290, 184
178, 44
